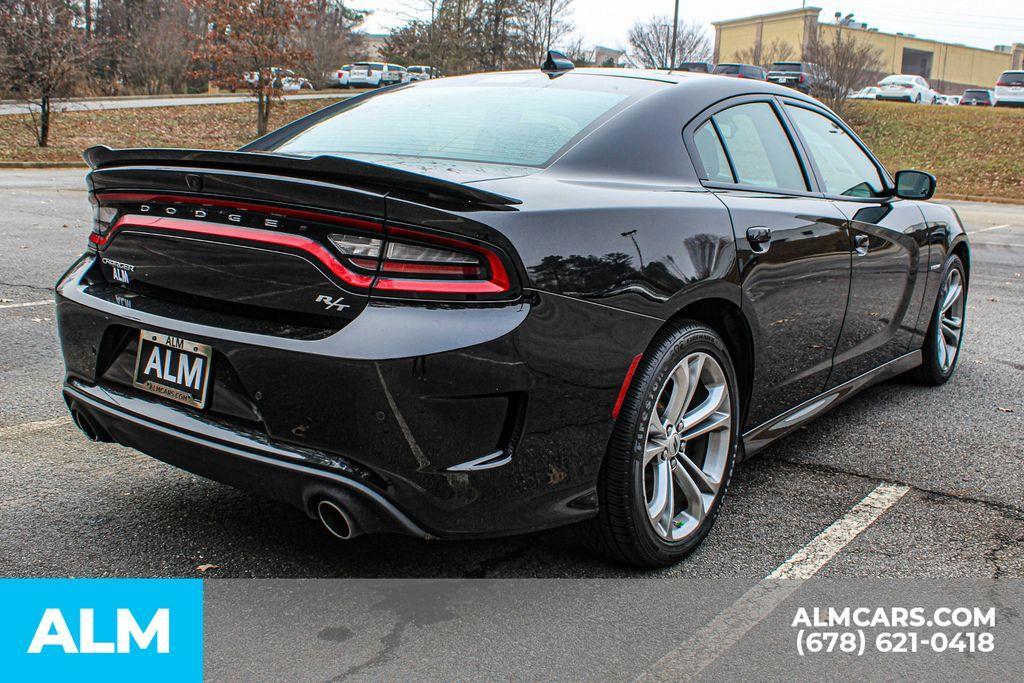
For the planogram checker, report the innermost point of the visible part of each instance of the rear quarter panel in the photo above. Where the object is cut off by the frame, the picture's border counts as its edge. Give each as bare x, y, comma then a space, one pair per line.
644, 249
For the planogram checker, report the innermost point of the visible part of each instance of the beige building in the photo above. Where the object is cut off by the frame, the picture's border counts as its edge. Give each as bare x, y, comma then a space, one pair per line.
949, 68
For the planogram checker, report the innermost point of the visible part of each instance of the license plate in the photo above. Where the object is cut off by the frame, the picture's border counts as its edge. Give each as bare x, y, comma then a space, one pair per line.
173, 367
359, 74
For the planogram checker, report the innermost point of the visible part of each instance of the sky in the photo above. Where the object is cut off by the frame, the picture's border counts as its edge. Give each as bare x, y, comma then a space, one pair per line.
981, 23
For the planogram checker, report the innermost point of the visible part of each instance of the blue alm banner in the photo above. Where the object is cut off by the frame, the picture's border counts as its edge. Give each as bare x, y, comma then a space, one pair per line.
101, 629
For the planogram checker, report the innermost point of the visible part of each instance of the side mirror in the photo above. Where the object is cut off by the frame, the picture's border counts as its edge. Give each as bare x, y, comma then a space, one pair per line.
915, 185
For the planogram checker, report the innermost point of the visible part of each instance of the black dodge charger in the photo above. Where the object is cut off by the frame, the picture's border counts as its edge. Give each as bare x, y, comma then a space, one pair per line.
498, 303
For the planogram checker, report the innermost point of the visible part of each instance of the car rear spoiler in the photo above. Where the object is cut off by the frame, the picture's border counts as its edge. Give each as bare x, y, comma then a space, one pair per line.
325, 168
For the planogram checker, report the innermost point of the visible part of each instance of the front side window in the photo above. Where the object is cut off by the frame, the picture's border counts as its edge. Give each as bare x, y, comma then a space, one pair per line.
844, 167
759, 148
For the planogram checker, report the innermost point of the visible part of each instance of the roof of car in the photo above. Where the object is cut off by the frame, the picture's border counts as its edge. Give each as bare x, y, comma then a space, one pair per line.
671, 99
706, 87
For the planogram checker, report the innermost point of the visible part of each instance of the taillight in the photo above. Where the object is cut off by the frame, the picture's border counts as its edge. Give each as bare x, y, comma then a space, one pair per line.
416, 262
801, 78
102, 219
399, 261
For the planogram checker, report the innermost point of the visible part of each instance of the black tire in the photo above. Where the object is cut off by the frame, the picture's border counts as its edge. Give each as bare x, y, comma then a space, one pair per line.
621, 530
930, 371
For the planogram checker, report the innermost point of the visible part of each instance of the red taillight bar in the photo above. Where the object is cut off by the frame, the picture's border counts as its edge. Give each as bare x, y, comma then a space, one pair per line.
280, 239
498, 282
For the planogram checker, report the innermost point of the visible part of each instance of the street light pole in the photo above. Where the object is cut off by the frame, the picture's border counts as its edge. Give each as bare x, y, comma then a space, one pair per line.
675, 29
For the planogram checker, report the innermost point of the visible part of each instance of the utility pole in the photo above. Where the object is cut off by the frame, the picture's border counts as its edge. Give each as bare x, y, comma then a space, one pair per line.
675, 29
547, 34
430, 38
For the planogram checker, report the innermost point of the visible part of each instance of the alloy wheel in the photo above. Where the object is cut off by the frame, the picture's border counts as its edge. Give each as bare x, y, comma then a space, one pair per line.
951, 320
687, 446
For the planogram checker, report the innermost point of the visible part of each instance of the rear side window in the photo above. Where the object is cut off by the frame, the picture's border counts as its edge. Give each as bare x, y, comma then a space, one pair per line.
712, 155
759, 148
844, 167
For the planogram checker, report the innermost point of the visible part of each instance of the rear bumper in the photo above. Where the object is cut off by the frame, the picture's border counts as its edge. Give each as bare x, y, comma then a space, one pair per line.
243, 460
391, 411
895, 98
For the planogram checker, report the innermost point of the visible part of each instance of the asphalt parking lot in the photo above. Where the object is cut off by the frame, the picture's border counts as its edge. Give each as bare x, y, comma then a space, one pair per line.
72, 508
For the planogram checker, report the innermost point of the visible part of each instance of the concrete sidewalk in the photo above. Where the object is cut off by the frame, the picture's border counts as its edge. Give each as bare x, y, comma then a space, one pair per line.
142, 102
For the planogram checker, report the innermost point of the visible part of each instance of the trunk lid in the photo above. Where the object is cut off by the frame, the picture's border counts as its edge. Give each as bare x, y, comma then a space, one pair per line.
288, 240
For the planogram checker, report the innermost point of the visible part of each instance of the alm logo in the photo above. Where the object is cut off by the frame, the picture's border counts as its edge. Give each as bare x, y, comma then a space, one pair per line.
102, 630
53, 631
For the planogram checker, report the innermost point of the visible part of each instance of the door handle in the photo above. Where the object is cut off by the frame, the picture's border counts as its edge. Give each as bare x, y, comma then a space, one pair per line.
760, 238
860, 244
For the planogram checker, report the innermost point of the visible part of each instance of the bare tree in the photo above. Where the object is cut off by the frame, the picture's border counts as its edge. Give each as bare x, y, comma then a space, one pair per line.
329, 40
845, 65
159, 56
481, 35
543, 24
46, 53
245, 43
650, 43
776, 51
576, 53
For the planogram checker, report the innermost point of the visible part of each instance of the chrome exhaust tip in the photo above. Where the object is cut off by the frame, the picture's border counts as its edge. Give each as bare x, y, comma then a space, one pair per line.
85, 425
334, 518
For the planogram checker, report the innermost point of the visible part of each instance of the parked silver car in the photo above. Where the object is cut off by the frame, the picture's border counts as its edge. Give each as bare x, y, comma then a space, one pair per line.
420, 72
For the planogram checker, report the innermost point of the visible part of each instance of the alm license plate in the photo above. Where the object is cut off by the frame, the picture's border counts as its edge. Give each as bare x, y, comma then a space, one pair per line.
173, 367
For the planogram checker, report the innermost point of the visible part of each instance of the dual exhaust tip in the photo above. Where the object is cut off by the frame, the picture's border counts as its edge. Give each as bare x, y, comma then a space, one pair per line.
336, 520
90, 429
332, 514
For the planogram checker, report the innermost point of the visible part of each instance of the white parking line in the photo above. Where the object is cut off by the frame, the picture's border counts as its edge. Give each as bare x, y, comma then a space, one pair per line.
991, 227
27, 304
29, 427
735, 621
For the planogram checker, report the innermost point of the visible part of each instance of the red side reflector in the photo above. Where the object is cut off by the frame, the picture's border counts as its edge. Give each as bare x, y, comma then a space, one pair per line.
625, 385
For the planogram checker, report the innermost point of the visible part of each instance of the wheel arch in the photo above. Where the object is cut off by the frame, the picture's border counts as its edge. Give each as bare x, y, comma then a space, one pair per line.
726, 318
961, 249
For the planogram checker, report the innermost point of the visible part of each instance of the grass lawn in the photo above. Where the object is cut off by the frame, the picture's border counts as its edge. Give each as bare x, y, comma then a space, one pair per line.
207, 126
972, 151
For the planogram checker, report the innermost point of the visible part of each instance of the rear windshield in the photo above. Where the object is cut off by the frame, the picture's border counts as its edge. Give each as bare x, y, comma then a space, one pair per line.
1012, 78
518, 120
976, 94
787, 66
727, 69
367, 65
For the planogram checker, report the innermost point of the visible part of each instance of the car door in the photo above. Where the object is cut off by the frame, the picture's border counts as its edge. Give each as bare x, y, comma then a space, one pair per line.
889, 238
792, 247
